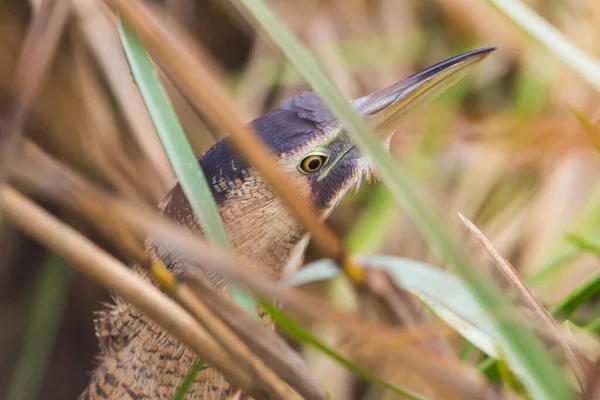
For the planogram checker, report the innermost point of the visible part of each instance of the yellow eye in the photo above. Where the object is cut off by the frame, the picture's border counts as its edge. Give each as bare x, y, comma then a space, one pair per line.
312, 163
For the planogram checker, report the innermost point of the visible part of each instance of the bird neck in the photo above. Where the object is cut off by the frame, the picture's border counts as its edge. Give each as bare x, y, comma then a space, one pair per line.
257, 222
260, 226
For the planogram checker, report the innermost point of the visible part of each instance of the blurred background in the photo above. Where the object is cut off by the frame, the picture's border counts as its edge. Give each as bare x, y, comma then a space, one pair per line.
503, 147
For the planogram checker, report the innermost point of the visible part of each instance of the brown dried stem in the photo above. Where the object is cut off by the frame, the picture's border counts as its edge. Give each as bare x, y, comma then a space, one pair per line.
104, 43
270, 347
578, 362
234, 346
34, 62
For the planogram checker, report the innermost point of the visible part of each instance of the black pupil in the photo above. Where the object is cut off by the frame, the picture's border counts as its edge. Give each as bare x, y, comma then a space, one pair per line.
314, 164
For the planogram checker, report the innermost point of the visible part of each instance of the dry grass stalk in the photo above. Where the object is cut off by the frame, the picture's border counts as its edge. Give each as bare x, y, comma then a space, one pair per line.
102, 39
34, 62
104, 146
438, 377
273, 385
263, 341
415, 335
510, 274
187, 68
580, 364
94, 262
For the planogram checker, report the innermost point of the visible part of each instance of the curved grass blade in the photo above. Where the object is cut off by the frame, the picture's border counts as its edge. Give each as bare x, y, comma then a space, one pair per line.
442, 292
587, 66
296, 331
522, 348
178, 149
173, 137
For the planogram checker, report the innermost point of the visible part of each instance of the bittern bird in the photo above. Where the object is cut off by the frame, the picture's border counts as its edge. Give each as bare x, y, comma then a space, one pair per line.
138, 359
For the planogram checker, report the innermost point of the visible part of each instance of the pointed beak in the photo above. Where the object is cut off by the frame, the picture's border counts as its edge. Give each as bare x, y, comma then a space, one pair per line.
385, 109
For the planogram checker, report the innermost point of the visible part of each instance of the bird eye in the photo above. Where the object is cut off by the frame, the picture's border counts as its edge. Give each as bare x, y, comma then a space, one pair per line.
312, 163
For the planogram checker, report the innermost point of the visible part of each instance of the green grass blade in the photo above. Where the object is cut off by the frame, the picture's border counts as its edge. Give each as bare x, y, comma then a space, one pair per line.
178, 149
522, 348
296, 331
583, 292
173, 138
185, 386
587, 66
50, 296
444, 294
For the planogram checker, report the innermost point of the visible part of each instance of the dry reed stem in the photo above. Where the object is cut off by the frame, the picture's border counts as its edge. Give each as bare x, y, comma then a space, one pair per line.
92, 261
417, 334
263, 341
580, 364
192, 74
103, 145
34, 62
510, 274
277, 388
103, 41
453, 380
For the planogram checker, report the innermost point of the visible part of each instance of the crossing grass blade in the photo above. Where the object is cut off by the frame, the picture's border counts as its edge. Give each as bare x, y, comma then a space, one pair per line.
173, 138
542, 377
442, 292
178, 149
587, 66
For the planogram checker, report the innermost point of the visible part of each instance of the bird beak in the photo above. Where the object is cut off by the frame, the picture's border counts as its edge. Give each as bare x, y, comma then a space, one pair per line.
385, 109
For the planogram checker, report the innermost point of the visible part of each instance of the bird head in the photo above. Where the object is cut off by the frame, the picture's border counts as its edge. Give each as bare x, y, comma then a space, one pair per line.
313, 145
316, 152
